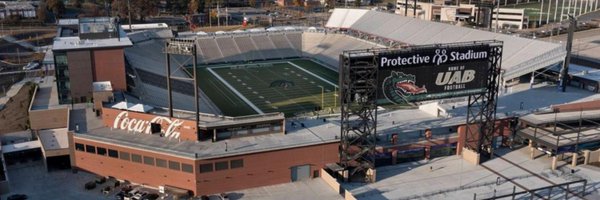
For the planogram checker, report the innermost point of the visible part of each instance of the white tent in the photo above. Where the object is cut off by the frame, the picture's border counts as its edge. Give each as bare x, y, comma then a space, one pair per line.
141, 108
123, 105
132, 107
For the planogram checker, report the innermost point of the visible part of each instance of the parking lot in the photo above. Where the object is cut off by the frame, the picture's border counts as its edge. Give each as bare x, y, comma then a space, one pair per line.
32, 180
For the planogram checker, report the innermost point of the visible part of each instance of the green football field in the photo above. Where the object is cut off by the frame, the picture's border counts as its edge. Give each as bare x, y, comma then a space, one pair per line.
290, 87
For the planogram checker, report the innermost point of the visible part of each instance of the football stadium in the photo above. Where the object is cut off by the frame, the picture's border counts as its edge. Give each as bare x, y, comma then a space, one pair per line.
290, 104
294, 69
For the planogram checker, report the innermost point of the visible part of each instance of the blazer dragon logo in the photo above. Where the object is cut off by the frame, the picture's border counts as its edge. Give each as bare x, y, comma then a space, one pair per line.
401, 88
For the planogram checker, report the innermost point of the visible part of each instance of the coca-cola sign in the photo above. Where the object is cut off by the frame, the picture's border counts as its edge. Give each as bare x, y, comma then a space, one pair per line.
122, 121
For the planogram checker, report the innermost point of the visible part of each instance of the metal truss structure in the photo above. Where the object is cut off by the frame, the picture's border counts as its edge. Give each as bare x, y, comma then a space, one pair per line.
183, 49
358, 89
481, 108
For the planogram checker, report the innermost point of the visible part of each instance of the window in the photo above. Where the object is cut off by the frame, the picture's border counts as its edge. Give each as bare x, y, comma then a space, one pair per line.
204, 168
124, 156
90, 149
161, 163
136, 158
187, 168
237, 163
101, 151
174, 165
221, 165
148, 160
113, 153
79, 147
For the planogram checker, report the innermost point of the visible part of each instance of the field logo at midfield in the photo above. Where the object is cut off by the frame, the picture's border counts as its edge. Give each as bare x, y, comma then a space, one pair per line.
401, 88
122, 121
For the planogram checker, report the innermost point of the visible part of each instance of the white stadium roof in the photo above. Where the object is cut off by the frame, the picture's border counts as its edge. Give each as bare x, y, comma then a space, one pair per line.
521, 55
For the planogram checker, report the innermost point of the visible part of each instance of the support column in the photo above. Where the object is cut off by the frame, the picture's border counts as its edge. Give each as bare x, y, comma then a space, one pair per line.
531, 150
394, 157
554, 161
586, 157
574, 160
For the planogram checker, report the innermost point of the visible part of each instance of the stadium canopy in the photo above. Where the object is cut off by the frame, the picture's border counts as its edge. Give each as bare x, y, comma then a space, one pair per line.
521, 55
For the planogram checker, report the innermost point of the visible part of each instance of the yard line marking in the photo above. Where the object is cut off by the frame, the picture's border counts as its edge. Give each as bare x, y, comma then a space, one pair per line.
320, 78
235, 91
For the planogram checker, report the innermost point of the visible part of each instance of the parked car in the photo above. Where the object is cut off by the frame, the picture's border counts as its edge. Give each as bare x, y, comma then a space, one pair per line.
90, 185
120, 195
31, 65
17, 197
101, 180
131, 194
139, 196
151, 196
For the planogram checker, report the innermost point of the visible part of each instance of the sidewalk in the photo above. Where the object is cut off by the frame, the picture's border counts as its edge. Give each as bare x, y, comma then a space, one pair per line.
25, 44
14, 89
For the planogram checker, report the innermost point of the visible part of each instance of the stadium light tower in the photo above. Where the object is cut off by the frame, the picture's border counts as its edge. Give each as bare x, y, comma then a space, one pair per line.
564, 71
185, 48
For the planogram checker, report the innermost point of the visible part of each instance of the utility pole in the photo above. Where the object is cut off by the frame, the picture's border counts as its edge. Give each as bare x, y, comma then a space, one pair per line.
129, 14
548, 14
497, 14
405, 8
541, 12
564, 71
415, 9
556, 9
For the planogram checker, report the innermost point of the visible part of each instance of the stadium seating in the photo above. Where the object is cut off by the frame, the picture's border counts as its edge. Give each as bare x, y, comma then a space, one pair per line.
328, 47
248, 49
209, 50
229, 48
266, 45
283, 46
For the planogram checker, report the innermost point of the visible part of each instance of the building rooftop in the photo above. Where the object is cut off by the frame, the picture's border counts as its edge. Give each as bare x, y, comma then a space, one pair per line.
54, 139
316, 132
46, 96
16, 5
89, 33
102, 86
584, 72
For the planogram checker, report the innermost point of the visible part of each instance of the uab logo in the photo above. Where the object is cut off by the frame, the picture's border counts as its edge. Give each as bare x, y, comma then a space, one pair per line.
400, 87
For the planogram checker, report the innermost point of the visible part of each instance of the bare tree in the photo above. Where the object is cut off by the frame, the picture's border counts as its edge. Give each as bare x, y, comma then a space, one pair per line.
194, 5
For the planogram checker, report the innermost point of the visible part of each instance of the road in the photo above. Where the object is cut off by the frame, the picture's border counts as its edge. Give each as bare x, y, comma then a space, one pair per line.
578, 35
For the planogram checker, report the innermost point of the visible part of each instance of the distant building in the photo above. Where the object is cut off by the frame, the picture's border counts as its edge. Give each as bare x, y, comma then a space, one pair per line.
511, 18
88, 50
23, 9
453, 11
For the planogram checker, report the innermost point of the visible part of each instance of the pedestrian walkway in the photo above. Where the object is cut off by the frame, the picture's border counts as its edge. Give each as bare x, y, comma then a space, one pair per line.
14, 89
25, 44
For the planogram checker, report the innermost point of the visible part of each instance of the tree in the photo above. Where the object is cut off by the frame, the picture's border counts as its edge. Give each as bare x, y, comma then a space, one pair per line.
357, 3
76, 3
56, 6
144, 8
42, 12
330, 4
194, 6
91, 10
297, 2
179, 6
252, 3
120, 8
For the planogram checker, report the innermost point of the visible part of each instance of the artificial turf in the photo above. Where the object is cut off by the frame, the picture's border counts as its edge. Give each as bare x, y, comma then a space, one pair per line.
271, 87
